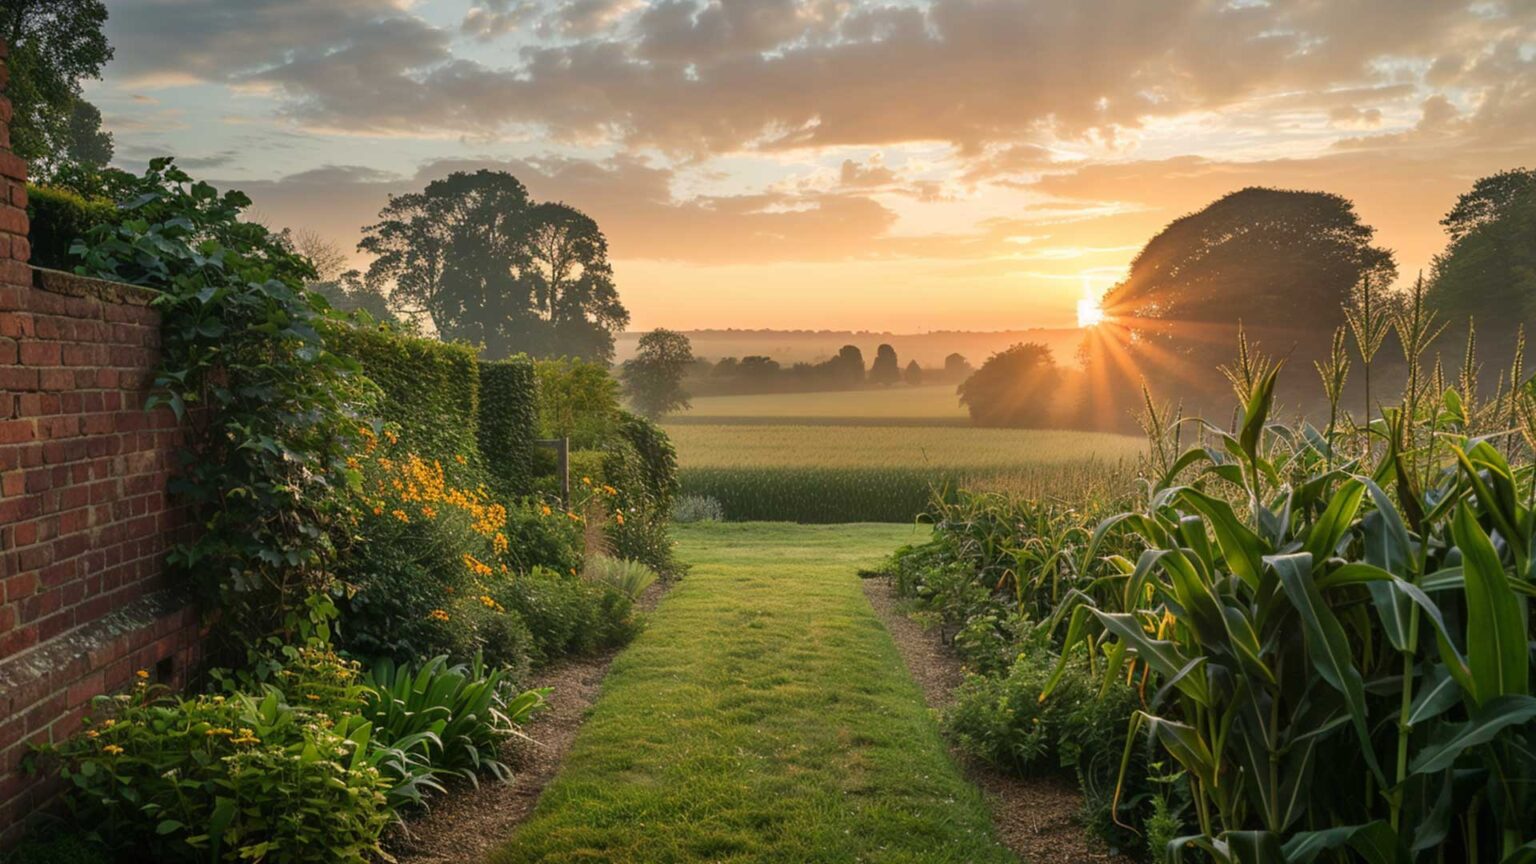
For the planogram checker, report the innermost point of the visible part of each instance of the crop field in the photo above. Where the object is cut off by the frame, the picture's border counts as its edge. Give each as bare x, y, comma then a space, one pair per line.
934, 404
850, 473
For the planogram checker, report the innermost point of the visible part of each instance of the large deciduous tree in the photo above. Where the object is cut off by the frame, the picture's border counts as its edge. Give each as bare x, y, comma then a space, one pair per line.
653, 380
55, 44
1488, 271
1281, 263
486, 264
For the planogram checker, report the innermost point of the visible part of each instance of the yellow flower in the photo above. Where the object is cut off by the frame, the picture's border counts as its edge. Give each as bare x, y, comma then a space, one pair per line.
544, 510
586, 481
438, 615
490, 602
112, 750
109, 722
92, 733
610, 490
142, 674
459, 458
313, 697
429, 512
401, 515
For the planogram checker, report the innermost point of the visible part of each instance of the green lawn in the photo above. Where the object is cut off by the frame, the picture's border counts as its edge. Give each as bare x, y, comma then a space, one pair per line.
763, 716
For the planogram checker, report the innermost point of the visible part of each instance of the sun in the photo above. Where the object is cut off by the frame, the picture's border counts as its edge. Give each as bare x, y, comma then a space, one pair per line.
1089, 313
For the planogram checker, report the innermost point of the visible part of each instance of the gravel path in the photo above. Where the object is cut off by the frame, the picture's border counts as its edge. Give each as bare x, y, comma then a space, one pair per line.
1036, 816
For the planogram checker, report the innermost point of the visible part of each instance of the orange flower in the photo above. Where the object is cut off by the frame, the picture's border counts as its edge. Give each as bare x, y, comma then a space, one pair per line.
438, 615
619, 518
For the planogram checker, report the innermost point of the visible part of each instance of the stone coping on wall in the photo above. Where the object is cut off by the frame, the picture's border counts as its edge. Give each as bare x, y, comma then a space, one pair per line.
91, 647
75, 285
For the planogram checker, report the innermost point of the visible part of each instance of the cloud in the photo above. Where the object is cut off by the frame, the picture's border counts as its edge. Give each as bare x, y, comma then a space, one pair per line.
631, 199
687, 76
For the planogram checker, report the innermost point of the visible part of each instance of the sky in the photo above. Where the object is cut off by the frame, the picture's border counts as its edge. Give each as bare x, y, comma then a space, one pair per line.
895, 165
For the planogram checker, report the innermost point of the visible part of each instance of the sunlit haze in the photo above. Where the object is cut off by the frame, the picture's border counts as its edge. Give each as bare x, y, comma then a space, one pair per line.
908, 166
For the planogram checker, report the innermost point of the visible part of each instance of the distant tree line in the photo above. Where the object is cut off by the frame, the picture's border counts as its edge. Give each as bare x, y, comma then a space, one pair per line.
845, 370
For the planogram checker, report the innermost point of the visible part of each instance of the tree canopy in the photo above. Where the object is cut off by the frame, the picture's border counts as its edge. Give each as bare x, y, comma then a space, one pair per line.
1013, 388
55, 44
653, 380
488, 265
1282, 263
1488, 271
886, 369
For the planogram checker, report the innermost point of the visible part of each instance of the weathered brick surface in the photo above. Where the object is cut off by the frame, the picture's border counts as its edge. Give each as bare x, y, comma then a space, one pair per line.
84, 518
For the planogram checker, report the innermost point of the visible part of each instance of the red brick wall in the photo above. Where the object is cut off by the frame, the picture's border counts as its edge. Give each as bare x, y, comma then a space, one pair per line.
84, 521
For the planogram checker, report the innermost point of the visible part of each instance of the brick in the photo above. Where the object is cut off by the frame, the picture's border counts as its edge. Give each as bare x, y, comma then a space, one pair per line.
17, 431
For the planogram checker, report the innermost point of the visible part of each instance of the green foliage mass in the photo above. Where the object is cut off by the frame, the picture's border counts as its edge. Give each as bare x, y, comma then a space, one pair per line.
641, 465
653, 379
430, 391
272, 413
1488, 272
1013, 388
577, 400
54, 44
59, 219
508, 424
490, 266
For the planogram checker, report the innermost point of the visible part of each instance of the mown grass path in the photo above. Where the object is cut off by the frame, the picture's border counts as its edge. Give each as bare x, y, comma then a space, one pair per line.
765, 715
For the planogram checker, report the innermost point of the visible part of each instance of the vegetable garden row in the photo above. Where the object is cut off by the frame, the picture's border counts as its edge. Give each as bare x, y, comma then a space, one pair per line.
1292, 644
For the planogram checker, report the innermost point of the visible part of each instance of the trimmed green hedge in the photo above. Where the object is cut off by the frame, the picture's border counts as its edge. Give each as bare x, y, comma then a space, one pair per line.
509, 424
59, 217
431, 390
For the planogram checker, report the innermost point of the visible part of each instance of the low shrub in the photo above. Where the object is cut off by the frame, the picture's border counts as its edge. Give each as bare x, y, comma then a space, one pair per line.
215, 777
461, 713
629, 577
567, 615
419, 544
59, 218
1080, 728
697, 508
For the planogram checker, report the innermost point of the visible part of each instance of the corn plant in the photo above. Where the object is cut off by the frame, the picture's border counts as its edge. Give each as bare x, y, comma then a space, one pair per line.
1339, 646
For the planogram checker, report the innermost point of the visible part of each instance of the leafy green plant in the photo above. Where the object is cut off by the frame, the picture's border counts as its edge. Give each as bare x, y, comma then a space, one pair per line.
630, 578
461, 714
273, 413
224, 778
1407, 696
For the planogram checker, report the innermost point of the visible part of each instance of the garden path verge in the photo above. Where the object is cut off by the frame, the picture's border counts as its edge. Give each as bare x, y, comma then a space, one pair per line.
1036, 817
470, 821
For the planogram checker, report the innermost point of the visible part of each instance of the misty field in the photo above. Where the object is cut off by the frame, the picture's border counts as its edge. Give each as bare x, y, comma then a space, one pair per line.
860, 473
931, 404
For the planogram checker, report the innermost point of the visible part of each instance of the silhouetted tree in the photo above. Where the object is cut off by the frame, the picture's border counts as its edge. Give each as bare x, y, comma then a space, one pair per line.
487, 265
913, 374
956, 367
1283, 263
1488, 271
1013, 388
845, 371
886, 369
653, 380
